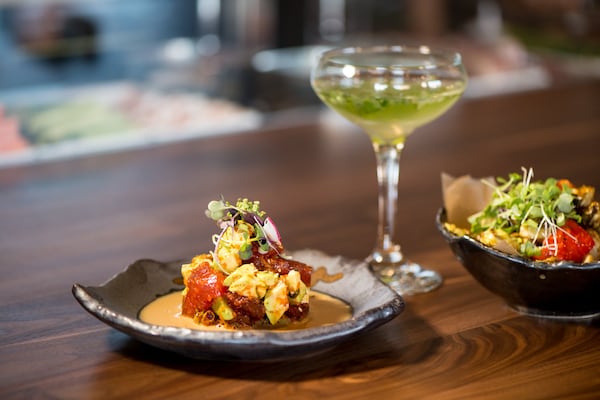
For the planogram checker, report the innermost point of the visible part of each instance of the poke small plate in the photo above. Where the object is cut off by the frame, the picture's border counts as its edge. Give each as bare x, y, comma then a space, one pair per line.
119, 301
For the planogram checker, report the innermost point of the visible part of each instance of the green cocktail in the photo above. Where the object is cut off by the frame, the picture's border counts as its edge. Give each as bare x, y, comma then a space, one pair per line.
388, 113
389, 91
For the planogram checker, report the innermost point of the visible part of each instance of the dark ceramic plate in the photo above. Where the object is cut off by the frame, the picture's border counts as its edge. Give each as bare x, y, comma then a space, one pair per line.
119, 301
561, 291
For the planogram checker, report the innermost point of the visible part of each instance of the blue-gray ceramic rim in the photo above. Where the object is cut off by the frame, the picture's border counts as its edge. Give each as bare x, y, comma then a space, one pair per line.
119, 301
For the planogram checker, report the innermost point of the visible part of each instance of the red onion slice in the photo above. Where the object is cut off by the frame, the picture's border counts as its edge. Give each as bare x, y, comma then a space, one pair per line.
271, 231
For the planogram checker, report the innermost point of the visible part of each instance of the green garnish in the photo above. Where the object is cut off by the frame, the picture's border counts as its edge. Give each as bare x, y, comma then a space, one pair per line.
532, 209
220, 209
242, 225
216, 209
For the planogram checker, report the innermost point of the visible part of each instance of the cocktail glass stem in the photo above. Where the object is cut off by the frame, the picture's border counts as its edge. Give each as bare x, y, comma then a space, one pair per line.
388, 173
387, 260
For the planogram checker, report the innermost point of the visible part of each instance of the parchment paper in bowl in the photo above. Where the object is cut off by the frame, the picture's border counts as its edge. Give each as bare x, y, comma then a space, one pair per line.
464, 196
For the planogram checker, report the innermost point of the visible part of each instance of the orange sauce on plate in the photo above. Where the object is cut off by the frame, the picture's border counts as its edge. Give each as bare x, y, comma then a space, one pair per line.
324, 310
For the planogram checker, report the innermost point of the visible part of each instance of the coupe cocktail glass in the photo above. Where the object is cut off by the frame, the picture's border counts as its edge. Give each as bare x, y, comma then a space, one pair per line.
389, 91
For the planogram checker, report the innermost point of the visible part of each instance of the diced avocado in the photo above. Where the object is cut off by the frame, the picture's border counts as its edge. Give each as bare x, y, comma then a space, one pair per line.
248, 281
228, 250
241, 272
228, 260
269, 278
222, 309
298, 297
186, 271
244, 282
296, 288
292, 280
276, 302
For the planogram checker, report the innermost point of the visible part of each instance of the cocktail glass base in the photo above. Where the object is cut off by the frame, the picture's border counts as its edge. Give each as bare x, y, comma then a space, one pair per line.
406, 278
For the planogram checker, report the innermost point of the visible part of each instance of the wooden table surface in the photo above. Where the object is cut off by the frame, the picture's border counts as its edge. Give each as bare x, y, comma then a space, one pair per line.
84, 220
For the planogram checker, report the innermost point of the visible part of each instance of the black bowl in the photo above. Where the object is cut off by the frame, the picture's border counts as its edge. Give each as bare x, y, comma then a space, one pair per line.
562, 291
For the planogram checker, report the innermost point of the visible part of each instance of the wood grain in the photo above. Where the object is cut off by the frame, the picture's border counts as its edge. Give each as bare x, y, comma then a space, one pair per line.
85, 219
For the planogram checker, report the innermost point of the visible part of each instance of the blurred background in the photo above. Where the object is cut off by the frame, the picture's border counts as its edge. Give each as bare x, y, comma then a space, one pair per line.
83, 76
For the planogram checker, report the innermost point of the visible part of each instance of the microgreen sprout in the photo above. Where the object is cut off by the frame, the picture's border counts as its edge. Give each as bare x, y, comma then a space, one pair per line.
521, 204
241, 225
217, 209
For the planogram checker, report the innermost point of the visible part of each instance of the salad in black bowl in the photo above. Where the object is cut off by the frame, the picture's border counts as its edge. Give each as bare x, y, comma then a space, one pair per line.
536, 244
